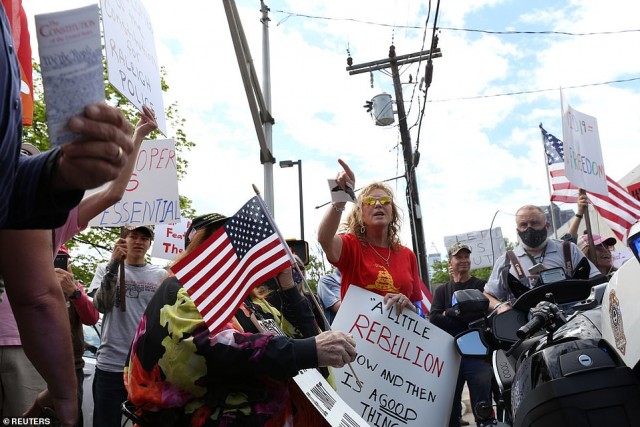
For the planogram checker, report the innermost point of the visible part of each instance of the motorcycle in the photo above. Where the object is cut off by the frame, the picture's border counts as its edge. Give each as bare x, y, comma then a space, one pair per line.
551, 363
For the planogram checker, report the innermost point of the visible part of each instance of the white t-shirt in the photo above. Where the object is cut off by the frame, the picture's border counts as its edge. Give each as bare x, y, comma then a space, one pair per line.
118, 328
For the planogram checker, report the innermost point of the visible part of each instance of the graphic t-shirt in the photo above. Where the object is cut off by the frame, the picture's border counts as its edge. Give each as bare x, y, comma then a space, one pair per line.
362, 266
119, 327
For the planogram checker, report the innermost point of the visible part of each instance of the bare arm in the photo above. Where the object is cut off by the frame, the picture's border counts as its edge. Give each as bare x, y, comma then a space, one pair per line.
41, 314
331, 242
97, 202
575, 222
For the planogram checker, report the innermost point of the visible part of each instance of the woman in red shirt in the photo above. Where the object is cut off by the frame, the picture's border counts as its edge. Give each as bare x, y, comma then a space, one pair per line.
368, 251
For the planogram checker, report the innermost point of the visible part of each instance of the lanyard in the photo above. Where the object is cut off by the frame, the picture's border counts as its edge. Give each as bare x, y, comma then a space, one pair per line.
533, 260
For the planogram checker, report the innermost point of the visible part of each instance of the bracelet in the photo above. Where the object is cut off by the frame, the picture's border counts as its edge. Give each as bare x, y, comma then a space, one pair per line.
498, 305
579, 216
337, 209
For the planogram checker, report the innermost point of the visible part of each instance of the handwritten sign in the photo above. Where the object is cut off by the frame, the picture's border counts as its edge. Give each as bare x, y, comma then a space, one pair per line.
583, 162
619, 257
407, 367
325, 399
152, 194
71, 63
132, 65
169, 239
480, 242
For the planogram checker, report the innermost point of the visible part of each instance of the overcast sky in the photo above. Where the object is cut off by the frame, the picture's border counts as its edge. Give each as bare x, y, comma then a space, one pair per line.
481, 154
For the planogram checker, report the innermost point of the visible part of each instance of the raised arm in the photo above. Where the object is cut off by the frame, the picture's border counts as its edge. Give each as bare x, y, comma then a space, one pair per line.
575, 222
330, 241
97, 202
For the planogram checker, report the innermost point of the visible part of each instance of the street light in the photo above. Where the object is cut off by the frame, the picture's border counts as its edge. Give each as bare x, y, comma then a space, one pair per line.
288, 164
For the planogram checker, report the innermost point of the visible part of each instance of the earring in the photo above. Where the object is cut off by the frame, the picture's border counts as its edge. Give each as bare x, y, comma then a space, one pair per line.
363, 230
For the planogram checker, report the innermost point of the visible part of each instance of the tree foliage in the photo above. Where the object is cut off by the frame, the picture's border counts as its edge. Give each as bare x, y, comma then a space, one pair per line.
101, 239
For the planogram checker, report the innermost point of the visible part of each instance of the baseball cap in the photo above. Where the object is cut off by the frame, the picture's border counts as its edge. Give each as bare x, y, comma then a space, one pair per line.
457, 247
29, 149
147, 228
583, 241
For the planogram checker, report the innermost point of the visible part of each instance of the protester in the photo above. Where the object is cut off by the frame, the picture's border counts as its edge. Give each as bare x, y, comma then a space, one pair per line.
603, 247
534, 248
20, 382
312, 298
179, 374
39, 308
329, 294
81, 312
476, 372
369, 254
25, 376
121, 317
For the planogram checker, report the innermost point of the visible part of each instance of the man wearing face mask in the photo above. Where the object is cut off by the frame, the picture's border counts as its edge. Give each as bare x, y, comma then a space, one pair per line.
534, 249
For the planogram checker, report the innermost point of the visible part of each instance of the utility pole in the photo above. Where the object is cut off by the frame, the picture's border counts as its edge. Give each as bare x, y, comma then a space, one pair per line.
413, 200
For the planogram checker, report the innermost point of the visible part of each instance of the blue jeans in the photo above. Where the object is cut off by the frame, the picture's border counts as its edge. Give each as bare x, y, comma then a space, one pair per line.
108, 395
477, 373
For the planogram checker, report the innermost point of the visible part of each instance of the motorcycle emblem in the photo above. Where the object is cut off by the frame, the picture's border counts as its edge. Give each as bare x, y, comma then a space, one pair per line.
616, 322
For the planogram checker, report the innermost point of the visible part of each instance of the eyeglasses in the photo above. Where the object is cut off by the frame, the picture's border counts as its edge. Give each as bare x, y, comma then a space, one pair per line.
371, 201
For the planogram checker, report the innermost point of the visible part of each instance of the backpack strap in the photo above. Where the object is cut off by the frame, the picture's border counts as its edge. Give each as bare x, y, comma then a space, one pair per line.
568, 263
517, 287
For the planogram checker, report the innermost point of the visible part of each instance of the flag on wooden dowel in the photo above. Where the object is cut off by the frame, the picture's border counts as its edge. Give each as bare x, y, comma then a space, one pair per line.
243, 253
619, 209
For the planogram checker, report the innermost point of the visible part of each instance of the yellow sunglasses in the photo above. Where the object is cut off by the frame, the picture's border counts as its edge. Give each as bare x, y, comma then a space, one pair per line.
371, 201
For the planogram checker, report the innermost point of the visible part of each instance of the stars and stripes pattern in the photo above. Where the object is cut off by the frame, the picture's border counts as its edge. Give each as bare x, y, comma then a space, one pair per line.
619, 209
241, 254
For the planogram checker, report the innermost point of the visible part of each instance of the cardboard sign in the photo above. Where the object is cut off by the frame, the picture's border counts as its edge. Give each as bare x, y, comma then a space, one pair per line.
132, 65
169, 239
408, 368
480, 243
583, 162
326, 400
152, 194
619, 257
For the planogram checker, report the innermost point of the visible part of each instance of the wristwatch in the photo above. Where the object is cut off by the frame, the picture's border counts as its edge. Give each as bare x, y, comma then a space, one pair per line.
76, 294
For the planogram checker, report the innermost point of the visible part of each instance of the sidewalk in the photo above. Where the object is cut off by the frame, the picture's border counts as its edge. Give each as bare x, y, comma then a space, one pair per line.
467, 414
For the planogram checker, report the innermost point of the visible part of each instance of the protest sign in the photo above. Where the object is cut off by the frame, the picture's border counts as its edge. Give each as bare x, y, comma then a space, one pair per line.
169, 239
326, 400
486, 245
583, 162
619, 257
152, 194
132, 65
408, 368
71, 64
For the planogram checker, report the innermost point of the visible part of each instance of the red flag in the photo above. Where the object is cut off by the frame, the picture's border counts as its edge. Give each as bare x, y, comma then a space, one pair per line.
243, 253
20, 33
619, 209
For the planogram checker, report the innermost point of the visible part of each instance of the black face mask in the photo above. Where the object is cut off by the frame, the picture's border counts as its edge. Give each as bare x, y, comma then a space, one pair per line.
533, 238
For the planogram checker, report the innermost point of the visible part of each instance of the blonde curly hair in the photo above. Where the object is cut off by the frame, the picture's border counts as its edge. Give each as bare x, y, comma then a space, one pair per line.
354, 223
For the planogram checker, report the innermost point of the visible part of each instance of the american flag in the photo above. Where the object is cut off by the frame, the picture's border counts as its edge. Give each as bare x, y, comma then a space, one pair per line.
619, 209
243, 253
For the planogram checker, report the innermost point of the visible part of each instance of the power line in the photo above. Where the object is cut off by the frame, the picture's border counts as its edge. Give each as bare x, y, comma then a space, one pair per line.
469, 30
524, 92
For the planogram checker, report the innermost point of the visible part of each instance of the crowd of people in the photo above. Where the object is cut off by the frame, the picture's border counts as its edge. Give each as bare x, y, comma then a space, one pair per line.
156, 352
